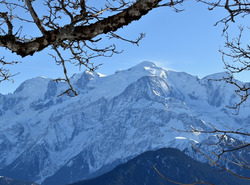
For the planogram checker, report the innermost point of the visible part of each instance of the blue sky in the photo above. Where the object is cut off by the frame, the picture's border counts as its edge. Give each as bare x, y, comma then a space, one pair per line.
186, 41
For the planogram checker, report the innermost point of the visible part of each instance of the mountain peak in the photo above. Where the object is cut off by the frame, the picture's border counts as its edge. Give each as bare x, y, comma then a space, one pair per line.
33, 86
218, 76
85, 73
146, 64
44, 138
146, 68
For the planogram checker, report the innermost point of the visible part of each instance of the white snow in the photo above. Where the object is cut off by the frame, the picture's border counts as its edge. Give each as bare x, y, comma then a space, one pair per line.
108, 124
179, 137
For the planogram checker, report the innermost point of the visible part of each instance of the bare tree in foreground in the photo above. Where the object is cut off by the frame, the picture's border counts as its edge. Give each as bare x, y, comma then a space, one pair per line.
78, 26
74, 29
69, 26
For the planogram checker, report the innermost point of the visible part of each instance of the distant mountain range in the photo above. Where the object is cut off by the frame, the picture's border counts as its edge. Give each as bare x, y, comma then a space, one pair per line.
55, 141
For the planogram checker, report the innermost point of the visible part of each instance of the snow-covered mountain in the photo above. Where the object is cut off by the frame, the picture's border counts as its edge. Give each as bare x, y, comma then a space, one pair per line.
54, 140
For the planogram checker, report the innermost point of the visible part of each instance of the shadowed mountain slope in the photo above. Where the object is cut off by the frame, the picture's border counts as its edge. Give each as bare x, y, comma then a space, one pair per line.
172, 163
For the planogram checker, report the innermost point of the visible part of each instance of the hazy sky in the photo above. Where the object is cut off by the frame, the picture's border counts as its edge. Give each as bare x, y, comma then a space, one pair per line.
186, 41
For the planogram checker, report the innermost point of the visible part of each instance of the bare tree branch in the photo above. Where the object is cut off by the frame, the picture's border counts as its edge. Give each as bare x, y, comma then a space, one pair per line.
55, 37
35, 16
4, 15
5, 73
233, 7
220, 166
71, 26
142, 35
224, 146
169, 180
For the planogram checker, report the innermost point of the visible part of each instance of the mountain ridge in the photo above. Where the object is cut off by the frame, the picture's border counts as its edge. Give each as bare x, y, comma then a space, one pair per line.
112, 119
170, 162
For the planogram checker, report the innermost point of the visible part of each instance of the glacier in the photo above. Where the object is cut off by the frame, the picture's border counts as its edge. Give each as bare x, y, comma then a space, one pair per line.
60, 140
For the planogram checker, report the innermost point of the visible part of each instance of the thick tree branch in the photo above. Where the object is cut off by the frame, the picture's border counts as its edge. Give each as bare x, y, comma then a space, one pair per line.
4, 15
57, 36
72, 26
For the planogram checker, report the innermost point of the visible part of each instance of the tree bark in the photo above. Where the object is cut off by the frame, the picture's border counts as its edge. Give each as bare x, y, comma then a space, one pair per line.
77, 33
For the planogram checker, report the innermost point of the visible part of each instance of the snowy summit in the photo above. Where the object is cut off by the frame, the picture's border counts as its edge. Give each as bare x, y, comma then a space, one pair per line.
114, 118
